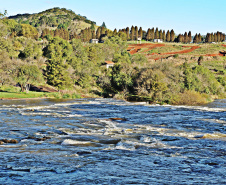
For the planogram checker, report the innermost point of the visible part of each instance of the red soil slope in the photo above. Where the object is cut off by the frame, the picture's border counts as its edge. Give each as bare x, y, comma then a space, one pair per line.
135, 48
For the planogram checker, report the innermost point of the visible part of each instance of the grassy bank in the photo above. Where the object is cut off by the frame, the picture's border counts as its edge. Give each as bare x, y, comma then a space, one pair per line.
12, 92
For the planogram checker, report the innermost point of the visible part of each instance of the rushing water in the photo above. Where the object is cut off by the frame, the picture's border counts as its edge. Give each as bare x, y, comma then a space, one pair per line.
82, 142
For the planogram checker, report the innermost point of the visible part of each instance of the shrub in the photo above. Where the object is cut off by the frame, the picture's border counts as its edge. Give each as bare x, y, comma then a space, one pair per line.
191, 98
176, 56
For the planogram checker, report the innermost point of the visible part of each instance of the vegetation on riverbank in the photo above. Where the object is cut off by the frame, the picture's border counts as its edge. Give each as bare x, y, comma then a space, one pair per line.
77, 69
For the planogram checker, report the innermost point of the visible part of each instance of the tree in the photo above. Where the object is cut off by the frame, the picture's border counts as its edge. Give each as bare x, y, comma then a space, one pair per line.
189, 37
58, 53
215, 37
180, 38
136, 32
104, 25
132, 33
98, 33
27, 74
186, 39
196, 40
199, 38
156, 33
28, 31
152, 33
102, 31
31, 50
127, 33
140, 33
115, 32
148, 36
208, 38
172, 35
3, 15
168, 36
160, 34
164, 35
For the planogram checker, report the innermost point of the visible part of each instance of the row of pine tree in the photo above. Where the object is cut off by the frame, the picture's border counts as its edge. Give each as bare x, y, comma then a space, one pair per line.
133, 33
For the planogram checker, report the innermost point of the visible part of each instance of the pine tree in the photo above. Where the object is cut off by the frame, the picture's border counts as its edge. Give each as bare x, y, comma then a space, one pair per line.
132, 33
208, 38
218, 36
160, 35
186, 39
115, 32
195, 40
156, 33
215, 37
152, 34
172, 35
93, 34
102, 32
136, 32
98, 33
148, 36
168, 36
104, 25
140, 33
127, 33
180, 38
164, 35
189, 37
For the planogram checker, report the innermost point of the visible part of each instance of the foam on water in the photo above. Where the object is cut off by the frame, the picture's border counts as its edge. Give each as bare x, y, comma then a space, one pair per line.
74, 142
107, 141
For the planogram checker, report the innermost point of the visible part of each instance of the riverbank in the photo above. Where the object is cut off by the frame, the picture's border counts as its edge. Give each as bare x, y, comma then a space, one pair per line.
186, 98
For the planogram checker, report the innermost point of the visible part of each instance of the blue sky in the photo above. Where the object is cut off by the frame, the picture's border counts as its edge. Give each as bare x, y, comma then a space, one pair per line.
197, 16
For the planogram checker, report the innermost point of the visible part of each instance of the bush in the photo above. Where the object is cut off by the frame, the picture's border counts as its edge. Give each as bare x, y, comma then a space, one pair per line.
191, 98
176, 56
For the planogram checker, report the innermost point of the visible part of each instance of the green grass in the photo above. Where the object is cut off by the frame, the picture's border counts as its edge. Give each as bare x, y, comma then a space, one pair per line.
18, 95
24, 95
208, 49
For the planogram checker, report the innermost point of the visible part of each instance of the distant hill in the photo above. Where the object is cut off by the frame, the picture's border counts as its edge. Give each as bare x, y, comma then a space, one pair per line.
55, 18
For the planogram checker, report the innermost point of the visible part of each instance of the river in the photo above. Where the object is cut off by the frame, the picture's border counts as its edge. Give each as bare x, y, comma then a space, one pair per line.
108, 141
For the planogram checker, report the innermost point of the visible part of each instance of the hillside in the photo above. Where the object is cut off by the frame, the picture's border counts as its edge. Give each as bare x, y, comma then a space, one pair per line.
55, 18
167, 72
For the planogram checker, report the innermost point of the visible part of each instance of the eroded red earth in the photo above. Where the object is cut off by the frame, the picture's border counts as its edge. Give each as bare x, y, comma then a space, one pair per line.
137, 48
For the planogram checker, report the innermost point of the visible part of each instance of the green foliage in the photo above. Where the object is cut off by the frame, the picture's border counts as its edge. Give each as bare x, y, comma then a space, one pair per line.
27, 74
31, 50
7, 46
28, 31
58, 52
176, 56
104, 25
55, 18
58, 48
200, 79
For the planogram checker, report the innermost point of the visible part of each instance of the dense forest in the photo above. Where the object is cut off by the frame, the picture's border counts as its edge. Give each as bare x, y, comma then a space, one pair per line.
51, 49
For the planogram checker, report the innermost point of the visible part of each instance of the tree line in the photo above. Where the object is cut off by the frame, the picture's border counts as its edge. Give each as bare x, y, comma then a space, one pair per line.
133, 33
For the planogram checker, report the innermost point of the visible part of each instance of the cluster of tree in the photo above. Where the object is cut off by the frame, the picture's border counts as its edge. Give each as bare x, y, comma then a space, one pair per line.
197, 38
134, 33
62, 33
215, 37
185, 38
14, 29
50, 18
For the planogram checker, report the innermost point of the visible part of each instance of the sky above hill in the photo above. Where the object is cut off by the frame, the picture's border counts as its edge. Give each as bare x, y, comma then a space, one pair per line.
197, 16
